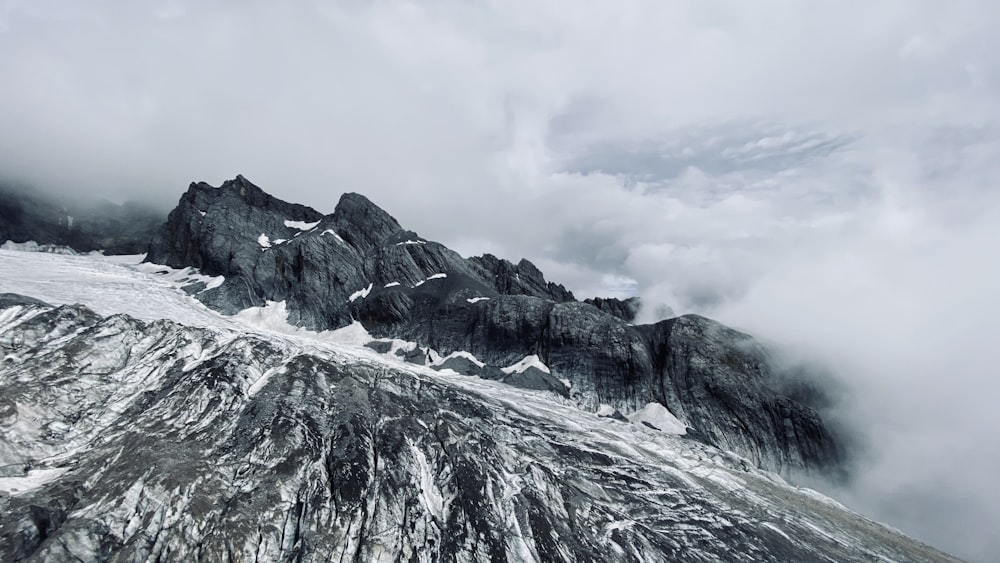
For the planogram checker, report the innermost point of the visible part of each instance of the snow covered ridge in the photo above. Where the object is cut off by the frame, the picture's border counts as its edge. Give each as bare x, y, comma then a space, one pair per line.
459, 354
531, 361
167, 433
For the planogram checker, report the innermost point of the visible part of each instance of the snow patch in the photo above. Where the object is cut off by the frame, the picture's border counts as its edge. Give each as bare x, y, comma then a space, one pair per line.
262, 380
32, 480
181, 277
429, 278
361, 293
657, 416
429, 493
390, 284
605, 410
433, 357
411, 242
273, 317
332, 232
264, 241
354, 334
477, 299
459, 354
300, 225
531, 361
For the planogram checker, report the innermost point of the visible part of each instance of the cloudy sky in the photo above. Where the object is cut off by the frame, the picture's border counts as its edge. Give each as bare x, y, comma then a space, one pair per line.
822, 174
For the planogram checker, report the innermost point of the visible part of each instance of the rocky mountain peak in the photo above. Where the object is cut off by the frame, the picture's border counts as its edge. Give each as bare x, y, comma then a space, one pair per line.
239, 192
523, 278
362, 223
359, 264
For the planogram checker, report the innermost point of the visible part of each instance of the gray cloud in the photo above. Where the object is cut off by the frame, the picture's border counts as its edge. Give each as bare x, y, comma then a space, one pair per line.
822, 174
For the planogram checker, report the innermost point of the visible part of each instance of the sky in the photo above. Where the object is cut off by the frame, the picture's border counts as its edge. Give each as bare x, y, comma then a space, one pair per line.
823, 175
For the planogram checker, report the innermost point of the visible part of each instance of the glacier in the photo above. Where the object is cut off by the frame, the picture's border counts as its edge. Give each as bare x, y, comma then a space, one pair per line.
136, 424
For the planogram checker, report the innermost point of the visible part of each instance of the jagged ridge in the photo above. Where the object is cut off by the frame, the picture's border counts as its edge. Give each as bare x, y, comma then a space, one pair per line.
360, 264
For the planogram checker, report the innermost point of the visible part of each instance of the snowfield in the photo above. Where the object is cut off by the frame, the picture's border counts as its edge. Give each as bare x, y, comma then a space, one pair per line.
546, 472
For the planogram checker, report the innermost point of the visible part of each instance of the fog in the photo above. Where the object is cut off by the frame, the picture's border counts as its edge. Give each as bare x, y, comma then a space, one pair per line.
823, 175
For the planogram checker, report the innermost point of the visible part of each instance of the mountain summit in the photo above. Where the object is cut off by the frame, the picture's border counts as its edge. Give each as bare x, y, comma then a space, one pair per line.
359, 264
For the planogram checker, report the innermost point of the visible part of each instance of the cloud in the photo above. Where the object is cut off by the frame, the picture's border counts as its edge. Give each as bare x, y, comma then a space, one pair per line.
820, 174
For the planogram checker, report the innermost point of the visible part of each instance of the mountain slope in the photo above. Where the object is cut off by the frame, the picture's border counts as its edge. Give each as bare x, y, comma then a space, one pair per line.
84, 227
132, 438
358, 263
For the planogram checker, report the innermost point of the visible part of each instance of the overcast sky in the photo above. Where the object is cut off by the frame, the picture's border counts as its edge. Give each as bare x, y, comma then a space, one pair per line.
823, 174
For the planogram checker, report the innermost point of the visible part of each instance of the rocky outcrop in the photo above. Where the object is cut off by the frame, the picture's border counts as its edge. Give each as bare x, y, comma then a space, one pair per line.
127, 440
624, 309
83, 227
523, 278
360, 264
718, 381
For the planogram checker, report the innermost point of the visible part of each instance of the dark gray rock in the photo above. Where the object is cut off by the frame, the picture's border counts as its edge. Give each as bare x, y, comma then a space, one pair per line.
416, 356
719, 381
524, 278
380, 346
535, 379
624, 309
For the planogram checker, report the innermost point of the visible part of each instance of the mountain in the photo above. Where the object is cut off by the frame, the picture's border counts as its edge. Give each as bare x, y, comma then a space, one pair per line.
71, 223
139, 425
359, 264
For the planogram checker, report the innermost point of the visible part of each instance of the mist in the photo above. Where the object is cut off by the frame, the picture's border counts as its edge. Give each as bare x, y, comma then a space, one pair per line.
823, 176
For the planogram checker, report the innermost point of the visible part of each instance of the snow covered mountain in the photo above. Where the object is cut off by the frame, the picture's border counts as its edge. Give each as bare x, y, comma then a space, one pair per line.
138, 425
275, 384
358, 263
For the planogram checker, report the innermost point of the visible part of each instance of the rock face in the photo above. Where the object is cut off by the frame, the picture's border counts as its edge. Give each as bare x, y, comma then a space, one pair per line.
624, 309
359, 264
127, 440
115, 229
